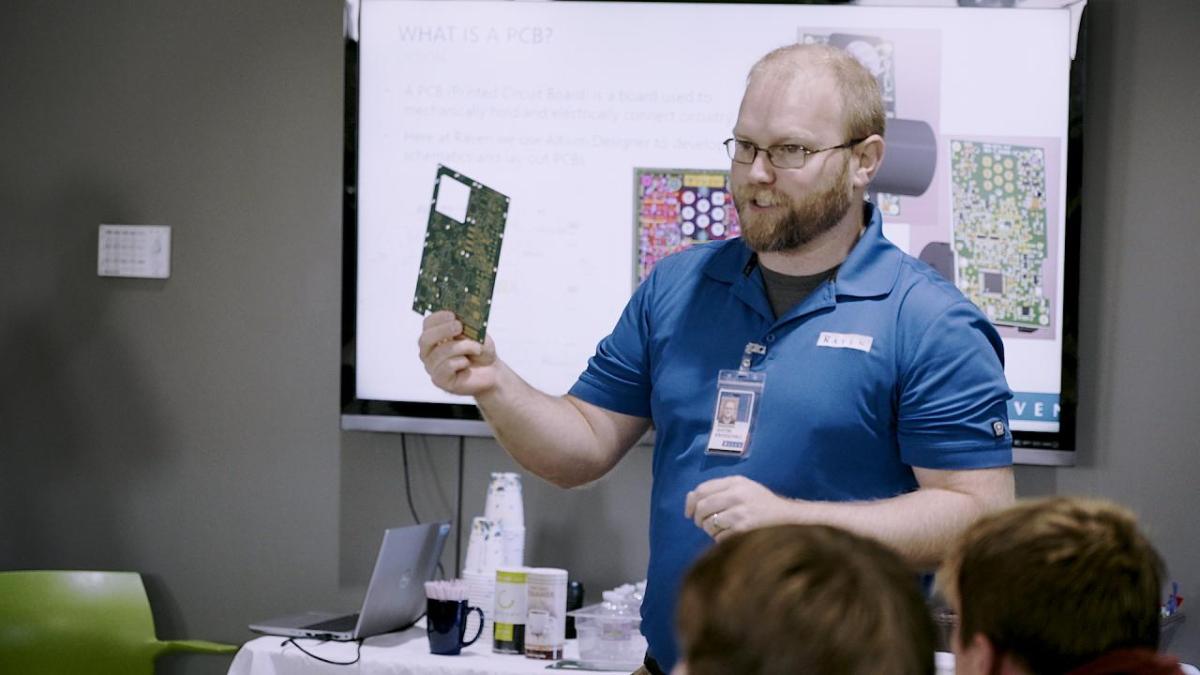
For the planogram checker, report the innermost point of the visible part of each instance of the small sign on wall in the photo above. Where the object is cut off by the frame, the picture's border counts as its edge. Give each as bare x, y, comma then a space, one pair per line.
142, 251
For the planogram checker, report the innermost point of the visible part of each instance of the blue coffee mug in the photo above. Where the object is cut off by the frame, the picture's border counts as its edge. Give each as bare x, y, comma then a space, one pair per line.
446, 624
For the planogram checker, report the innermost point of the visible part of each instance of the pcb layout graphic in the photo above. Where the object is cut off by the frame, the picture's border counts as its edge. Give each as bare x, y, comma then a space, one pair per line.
675, 208
999, 230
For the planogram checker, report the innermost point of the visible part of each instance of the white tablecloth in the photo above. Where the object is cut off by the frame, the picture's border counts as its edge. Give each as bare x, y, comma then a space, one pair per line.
405, 653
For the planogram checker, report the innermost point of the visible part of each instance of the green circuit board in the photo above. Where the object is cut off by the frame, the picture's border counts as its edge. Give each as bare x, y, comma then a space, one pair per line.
462, 250
999, 223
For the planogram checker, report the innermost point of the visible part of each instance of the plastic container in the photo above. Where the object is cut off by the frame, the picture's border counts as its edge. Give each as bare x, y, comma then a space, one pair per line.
609, 634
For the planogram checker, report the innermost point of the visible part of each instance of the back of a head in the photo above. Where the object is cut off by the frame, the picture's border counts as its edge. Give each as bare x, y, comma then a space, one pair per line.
803, 599
862, 103
1056, 583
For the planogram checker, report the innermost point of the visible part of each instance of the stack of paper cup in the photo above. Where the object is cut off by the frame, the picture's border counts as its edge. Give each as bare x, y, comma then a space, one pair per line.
504, 505
481, 593
485, 548
485, 552
514, 546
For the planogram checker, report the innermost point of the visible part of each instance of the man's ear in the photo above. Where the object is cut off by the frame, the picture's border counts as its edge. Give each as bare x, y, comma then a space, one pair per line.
868, 155
978, 656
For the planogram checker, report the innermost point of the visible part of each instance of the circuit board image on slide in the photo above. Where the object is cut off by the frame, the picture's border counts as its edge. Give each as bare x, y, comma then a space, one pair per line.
999, 230
675, 208
462, 250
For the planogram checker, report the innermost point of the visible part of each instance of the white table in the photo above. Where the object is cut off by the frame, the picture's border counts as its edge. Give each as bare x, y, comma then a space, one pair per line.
405, 653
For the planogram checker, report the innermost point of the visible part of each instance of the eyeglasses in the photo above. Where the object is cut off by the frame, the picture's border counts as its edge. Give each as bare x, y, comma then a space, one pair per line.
787, 156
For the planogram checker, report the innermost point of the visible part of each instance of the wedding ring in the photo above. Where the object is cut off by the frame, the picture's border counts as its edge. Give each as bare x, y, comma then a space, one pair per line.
715, 519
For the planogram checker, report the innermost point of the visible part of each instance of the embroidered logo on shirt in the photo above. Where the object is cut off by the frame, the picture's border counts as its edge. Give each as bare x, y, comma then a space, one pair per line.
845, 341
998, 429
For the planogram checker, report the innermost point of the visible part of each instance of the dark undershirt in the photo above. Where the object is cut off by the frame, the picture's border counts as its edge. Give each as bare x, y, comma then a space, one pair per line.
786, 291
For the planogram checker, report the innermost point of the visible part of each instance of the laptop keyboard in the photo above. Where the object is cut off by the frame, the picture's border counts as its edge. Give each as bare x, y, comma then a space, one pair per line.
341, 624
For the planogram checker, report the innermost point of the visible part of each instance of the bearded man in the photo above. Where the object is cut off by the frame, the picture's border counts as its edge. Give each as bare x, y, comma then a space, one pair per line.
875, 391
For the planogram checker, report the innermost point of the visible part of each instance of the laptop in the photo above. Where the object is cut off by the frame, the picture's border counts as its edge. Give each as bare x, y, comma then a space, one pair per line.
395, 596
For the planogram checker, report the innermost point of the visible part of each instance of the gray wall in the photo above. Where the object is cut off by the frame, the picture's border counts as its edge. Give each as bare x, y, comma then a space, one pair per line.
188, 428
1139, 378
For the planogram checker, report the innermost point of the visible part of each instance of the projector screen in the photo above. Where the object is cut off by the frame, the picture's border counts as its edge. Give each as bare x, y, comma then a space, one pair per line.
602, 123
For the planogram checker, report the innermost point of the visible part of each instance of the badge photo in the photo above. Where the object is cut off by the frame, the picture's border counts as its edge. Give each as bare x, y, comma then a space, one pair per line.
731, 421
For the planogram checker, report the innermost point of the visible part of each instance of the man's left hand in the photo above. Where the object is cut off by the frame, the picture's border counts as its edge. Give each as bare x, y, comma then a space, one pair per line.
723, 506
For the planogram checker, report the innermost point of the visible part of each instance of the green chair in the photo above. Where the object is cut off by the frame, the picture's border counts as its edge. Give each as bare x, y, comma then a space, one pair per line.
82, 623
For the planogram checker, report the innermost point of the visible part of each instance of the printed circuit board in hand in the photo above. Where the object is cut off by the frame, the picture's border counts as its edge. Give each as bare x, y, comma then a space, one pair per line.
462, 250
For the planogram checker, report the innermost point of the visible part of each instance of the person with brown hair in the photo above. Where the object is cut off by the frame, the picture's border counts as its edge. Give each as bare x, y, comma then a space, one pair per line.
1058, 585
803, 599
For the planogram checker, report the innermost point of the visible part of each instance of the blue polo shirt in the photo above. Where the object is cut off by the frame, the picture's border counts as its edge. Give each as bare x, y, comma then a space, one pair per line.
835, 423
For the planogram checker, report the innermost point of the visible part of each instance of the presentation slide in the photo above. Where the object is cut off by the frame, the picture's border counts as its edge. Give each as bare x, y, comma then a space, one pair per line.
601, 125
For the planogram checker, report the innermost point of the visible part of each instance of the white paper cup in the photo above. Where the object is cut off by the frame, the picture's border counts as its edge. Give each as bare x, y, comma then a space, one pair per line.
504, 502
493, 550
513, 539
483, 546
481, 593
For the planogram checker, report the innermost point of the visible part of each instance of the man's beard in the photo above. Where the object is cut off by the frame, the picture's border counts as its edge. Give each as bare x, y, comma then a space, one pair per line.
799, 223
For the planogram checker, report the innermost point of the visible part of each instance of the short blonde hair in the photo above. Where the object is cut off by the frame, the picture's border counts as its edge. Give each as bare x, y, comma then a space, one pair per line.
862, 105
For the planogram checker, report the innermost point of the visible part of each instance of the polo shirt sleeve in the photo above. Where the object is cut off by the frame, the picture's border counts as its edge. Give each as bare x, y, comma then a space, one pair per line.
953, 397
617, 377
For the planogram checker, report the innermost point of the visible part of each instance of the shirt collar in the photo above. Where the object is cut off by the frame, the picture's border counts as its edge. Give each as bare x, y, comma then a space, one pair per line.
873, 265
871, 269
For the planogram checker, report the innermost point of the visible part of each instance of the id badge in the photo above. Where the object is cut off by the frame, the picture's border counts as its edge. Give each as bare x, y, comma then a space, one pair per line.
738, 395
